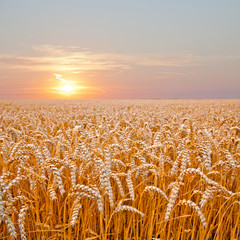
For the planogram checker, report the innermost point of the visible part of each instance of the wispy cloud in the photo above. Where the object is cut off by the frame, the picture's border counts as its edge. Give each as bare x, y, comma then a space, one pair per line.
56, 58
59, 77
71, 58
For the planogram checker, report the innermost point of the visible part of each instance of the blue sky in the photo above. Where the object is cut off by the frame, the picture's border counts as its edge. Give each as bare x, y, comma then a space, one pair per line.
120, 49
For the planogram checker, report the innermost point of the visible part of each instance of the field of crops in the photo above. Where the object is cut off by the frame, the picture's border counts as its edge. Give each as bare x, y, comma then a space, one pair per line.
150, 169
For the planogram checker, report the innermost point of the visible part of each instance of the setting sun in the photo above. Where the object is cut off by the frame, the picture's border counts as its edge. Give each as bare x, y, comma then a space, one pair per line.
68, 88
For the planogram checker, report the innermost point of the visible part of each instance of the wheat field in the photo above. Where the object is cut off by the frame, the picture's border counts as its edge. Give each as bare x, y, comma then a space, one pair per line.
137, 169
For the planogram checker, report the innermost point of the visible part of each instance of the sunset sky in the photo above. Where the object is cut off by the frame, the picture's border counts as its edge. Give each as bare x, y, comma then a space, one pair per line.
58, 49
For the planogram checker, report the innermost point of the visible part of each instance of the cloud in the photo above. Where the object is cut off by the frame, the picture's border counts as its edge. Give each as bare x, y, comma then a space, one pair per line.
72, 59
56, 58
59, 77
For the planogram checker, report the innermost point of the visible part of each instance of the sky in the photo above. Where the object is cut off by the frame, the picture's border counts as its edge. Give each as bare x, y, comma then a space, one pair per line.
105, 49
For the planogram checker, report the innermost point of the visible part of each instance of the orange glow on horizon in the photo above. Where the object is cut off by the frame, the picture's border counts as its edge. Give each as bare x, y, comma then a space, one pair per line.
60, 88
68, 88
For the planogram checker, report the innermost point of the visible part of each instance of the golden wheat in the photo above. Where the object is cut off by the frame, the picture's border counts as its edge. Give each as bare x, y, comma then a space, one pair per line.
120, 170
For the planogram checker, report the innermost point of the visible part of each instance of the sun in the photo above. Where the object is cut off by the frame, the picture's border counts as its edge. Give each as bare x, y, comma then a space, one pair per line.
67, 88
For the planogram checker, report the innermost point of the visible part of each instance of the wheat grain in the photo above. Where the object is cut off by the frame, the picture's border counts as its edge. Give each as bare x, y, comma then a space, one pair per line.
195, 206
